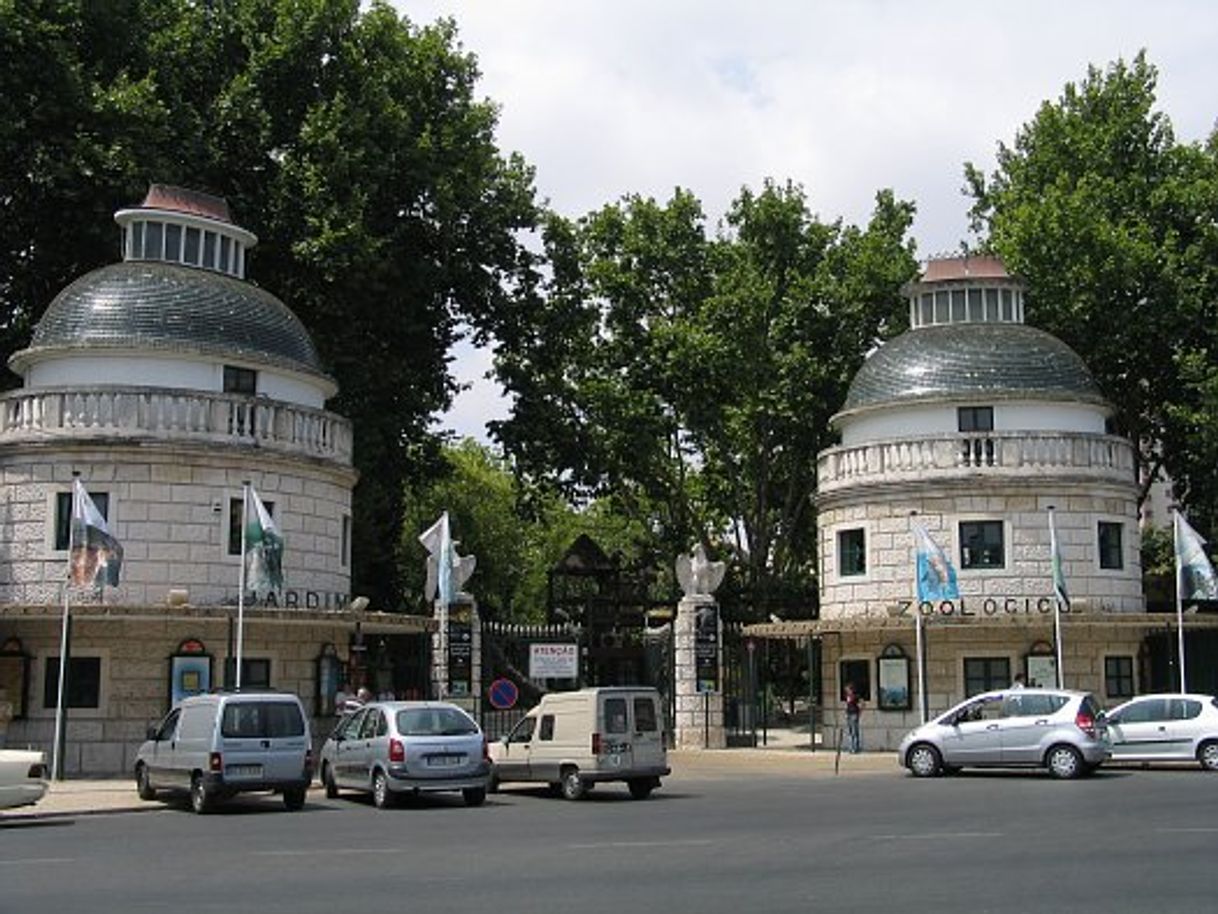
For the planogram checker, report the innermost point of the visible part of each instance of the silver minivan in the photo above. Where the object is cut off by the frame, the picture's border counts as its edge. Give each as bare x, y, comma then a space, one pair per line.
212, 747
1055, 729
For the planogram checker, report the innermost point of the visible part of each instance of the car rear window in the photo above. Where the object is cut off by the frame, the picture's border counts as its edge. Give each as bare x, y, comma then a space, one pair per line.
261, 720
434, 722
615, 715
644, 715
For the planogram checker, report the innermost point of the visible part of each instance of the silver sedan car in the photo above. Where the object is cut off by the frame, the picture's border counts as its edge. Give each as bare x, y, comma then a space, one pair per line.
397, 748
1166, 728
1030, 728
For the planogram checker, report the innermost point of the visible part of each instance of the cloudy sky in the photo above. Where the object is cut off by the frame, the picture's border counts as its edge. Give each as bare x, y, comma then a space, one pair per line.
613, 97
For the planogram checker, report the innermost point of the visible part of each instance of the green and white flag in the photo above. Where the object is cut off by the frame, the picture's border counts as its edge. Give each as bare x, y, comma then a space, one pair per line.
96, 556
1194, 573
1055, 557
263, 548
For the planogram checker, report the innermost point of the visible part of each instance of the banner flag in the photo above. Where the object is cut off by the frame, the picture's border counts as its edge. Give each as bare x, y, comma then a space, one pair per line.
437, 540
1055, 557
936, 576
263, 548
96, 557
1194, 572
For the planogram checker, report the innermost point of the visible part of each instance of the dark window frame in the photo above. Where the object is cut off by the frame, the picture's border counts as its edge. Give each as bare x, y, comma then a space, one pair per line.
1118, 676
975, 418
857, 671
970, 532
985, 674
63, 515
255, 672
851, 557
236, 518
84, 682
241, 381
1111, 555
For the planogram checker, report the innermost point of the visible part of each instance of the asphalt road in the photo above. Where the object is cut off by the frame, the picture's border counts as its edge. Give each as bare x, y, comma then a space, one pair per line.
741, 840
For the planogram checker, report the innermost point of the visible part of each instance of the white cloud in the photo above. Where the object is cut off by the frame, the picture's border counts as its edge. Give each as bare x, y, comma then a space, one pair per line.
607, 99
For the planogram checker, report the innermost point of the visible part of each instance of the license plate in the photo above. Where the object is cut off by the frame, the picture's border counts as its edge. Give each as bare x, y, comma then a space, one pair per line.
444, 761
244, 771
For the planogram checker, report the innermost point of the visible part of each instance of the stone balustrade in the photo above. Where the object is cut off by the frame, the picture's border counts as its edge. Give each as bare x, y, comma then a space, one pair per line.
118, 414
967, 455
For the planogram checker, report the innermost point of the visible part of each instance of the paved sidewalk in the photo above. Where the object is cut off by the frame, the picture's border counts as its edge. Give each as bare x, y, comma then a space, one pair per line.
782, 756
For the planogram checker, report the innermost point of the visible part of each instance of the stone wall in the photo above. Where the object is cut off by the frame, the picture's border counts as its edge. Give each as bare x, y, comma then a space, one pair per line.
890, 554
170, 509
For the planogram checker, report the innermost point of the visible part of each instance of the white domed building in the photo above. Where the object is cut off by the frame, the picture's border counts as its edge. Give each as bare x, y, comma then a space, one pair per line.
166, 382
975, 426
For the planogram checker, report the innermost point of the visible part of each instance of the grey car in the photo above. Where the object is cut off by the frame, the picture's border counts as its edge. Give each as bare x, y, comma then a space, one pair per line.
1055, 729
397, 748
1166, 728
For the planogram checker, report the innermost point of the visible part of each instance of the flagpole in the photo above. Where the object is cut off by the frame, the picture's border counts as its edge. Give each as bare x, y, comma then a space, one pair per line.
919, 649
245, 507
58, 741
1175, 529
1054, 559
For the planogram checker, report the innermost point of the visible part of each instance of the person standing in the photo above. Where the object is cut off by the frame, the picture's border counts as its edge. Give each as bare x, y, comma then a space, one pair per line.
854, 705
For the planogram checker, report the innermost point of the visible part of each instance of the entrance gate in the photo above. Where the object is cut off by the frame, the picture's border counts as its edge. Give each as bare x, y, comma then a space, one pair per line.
641, 656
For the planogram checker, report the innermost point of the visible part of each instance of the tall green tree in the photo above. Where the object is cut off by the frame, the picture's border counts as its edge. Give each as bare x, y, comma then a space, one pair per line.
347, 138
517, 536
1111, 222
688, 379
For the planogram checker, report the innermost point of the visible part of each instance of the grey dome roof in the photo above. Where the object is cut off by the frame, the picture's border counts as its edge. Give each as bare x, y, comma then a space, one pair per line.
160, 306
970, 361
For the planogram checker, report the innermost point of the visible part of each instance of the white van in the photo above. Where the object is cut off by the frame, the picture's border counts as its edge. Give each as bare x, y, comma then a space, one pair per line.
215, 746
575, 740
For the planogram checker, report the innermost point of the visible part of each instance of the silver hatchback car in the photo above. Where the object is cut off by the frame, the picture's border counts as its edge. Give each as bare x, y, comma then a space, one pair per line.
1033, 728
396, 748
1166, 728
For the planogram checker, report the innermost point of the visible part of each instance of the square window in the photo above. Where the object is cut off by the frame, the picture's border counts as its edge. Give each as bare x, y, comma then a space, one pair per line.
84, 683
191, 252
63, 515
975, 418
234, 523
1118, 677
240, 380
1111, 554
985, 674
173, 241
851, 552
209, 249
255, 673
153, 239
981, 544
959, 305
976, 306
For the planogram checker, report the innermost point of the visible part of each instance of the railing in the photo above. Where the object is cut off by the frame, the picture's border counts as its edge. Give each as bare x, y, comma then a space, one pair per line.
1099, 457
141, 413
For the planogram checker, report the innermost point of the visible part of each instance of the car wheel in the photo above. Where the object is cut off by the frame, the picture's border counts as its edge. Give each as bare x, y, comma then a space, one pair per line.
640, 788
1207, 754
200, 799
474, 796
294, 798
382, 796
924, 760
1064, 762
327, 778
142, 785
572, 784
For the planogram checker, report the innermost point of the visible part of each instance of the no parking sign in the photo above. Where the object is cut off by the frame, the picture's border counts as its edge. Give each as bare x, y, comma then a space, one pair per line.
503, 694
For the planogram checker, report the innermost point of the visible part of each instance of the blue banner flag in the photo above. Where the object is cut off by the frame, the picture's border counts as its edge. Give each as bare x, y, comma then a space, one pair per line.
1194, 573
936, 576
96, 557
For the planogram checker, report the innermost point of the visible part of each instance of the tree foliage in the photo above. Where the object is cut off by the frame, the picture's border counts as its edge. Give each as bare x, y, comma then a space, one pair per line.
1112, 224
689, 378
348, 139
516, 536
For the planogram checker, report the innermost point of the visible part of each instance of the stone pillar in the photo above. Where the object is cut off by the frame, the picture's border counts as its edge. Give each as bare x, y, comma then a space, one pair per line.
699, 723
456, 651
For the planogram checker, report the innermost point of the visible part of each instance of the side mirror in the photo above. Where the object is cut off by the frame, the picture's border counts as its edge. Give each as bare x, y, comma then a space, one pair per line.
504, 739
151, 732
